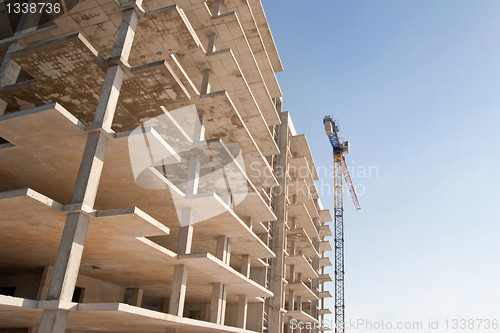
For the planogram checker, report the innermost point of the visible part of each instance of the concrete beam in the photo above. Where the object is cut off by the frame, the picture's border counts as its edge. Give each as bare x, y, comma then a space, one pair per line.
178, 294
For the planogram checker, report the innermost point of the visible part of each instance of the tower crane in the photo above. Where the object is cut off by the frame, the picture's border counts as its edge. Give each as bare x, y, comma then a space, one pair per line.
339, 149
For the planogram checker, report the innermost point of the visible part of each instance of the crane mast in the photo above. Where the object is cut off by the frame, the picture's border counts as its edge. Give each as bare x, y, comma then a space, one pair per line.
340, 168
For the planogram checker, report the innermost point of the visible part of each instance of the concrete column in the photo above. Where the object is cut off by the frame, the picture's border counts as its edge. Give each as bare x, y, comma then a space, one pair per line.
294, 223
89, 174
166, 302
299, 303
291, 300
223, 249
9, 70
205, 311
193, 175
292, 274
245, 265
242, 312
216, 11
3, 107
106, 105
43, 289
125, 37
178, 294
212, 40
206, 83
136, 299
315, 243
298, 277
217, 303
69, 255
249, 222
292, 247
53, 321
279, 229
70, 250
316, 223
223, 308
186, 231
110, 92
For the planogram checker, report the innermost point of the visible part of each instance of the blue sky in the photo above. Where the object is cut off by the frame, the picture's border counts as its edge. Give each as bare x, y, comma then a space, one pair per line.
415, 86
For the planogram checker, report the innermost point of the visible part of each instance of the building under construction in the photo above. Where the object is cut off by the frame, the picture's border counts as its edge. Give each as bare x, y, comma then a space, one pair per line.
149, 180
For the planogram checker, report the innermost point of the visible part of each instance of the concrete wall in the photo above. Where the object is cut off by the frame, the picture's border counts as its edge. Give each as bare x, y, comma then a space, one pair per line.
97, 291
26, 282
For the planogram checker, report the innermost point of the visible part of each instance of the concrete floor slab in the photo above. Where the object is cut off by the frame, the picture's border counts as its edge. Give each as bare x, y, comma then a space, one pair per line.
55, 140
299, 147
302, 242
325, 294
325, 216
302, 265
325, 278
325, 246
300, 170
227, 75
300, 189
325, 231
109, 317
302, 218
69, 71
325, 262
252, 33
300, 289
231, 35
115, 239
324, 311
301, 316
